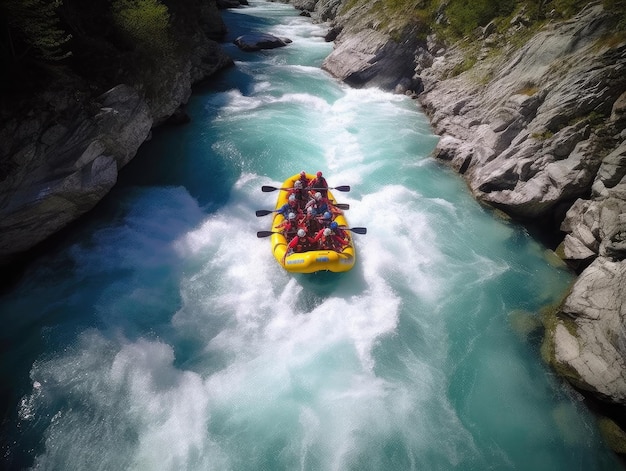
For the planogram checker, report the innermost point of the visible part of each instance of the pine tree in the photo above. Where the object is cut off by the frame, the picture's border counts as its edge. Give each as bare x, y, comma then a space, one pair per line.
33, 29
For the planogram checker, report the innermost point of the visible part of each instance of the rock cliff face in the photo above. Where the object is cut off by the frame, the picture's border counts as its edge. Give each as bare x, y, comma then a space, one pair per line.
64, 167
537, 131
61, 152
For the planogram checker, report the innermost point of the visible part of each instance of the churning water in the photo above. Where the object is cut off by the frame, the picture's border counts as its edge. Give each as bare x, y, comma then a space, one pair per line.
162, 334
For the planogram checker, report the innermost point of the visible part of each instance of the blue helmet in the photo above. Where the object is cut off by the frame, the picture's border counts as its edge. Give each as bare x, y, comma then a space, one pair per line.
334, 225
327, 215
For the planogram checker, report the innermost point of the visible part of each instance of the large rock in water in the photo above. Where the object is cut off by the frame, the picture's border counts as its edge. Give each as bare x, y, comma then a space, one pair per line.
66, 167
258, 41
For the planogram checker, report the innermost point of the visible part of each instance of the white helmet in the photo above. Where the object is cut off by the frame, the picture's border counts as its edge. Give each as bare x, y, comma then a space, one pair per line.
291, 216
301, 232
297, 185
318, 195
327, 232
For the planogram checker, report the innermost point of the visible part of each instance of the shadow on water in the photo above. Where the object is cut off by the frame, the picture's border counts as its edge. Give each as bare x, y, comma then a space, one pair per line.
183, 155
321, 285
241, 23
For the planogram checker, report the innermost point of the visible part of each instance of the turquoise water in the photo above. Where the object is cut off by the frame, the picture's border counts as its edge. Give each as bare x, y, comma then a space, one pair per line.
162, 334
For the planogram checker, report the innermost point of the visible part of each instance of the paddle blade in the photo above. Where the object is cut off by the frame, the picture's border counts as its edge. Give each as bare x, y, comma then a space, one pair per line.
267, 189
359, 230
342, 205
263, 212
262, 234
342, 188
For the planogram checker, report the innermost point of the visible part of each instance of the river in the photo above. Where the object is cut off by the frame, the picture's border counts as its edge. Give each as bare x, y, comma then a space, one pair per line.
161, 334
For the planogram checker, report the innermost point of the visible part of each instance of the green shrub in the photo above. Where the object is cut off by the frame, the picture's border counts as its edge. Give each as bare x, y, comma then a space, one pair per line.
568, 8
464, 17
461, 67
542, 136
144, 23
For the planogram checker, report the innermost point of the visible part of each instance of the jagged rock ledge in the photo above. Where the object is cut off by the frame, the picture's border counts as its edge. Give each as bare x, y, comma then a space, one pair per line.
537, 132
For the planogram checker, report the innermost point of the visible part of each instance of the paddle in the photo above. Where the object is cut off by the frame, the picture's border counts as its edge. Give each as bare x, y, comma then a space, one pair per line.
266, 188
356, 230
265, 212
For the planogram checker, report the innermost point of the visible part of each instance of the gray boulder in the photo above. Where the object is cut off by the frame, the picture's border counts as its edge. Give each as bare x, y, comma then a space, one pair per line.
589, 340
370, 58
530, 141
258, 41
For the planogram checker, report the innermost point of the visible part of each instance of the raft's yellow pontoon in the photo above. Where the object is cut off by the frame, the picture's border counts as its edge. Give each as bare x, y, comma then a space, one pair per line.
313, 260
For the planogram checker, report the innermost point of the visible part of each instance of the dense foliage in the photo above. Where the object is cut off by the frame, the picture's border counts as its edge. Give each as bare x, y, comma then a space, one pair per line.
144, 23
101, 40
33, 27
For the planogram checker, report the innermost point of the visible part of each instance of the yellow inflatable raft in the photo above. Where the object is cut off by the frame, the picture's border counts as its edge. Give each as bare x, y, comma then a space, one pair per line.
313, 260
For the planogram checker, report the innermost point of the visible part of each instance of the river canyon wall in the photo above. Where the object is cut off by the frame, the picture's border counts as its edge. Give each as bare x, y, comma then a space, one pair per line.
537, 129
62, 145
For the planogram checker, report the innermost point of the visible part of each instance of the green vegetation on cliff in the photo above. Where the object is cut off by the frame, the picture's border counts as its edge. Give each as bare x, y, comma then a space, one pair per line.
33, 27
145, 23
104, 42
455, 19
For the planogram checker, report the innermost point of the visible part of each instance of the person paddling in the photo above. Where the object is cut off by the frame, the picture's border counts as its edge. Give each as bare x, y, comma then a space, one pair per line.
288, 226
298, 191
300, 243
328, 240
291, 206
319, 184
303, 179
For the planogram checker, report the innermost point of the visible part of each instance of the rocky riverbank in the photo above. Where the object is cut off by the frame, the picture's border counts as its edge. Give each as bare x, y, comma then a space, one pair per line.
537, 129
538, 132
62, 146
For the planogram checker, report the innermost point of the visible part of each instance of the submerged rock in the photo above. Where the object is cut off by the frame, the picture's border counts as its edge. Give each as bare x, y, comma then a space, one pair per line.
258, 41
